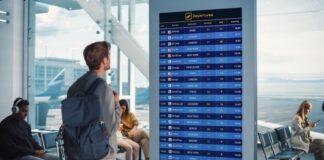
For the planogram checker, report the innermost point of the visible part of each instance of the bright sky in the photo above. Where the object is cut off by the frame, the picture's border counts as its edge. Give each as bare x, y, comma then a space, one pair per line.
290, 36
64, 34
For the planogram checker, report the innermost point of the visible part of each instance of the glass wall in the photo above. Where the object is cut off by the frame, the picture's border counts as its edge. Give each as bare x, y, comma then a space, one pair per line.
135, 20
59, 31
290, 59
60, 37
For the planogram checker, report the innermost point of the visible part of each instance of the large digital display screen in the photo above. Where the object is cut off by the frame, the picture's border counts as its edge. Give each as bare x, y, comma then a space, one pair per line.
200, 88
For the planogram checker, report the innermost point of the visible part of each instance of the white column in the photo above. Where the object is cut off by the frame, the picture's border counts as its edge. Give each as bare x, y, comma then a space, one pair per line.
11, 55
31, 14
119, 66
107, 29
131, 67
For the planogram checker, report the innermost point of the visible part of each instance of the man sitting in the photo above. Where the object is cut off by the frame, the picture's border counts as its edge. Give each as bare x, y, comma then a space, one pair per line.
16, 138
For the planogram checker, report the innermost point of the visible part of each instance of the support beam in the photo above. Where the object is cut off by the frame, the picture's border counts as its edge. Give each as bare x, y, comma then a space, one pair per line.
131, 68
120, 36
107, 17
31, 36
128, 44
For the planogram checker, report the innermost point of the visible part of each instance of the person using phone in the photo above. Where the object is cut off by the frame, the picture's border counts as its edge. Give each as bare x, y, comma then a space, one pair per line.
131, 131
301, 138
131, 147
16, 141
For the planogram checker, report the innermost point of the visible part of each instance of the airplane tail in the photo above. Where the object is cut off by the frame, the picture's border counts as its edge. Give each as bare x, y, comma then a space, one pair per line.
54, 86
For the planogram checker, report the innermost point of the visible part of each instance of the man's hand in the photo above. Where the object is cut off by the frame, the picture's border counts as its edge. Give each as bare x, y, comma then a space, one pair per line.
39, 153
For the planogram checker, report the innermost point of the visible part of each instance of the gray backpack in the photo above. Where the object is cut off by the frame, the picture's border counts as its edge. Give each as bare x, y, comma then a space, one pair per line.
83, 133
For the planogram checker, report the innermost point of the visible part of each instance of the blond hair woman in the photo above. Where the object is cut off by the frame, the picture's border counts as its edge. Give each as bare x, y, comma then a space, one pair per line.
300, 128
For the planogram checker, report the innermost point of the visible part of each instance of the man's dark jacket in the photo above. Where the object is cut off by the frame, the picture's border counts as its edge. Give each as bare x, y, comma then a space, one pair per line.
16, 139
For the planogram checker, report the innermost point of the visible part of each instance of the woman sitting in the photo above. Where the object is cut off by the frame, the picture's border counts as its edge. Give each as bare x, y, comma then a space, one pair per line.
301, 138
130, 130
131, 147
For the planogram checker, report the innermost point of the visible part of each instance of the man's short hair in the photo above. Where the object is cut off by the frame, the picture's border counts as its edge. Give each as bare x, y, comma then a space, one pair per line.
94, 53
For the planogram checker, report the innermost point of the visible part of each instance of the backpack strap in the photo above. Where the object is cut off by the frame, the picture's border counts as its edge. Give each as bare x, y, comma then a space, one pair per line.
93, 86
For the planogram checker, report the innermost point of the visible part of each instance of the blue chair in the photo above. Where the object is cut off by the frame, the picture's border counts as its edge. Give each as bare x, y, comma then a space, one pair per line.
266, 145
51, 142
49, 139
37, 139
271, 147
293, 154
284, 136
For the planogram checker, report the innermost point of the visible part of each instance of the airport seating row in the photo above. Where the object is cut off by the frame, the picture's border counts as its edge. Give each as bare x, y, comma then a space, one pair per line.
49, 141
276, 144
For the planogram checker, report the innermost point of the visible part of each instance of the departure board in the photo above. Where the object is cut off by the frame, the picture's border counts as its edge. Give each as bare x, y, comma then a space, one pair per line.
200, 90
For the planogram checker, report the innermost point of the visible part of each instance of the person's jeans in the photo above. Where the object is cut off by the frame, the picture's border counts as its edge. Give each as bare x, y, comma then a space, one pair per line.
47, 157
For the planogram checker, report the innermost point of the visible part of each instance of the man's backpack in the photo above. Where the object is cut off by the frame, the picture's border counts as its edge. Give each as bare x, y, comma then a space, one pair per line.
83, 133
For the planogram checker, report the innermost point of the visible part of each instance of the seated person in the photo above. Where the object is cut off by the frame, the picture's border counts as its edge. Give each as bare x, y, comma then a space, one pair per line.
131, 147
130, 129
16, 138
301, 138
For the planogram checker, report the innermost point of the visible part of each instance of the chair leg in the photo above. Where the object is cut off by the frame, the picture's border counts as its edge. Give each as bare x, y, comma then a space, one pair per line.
140, 153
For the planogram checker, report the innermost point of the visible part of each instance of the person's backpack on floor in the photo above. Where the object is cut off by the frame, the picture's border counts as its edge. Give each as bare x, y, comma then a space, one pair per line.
83, 133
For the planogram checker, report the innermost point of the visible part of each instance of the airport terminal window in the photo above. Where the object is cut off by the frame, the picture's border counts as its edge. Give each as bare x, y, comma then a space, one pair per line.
289, 44
58, 58
290, 60
140, 33
139, 30
289, 53
79, 72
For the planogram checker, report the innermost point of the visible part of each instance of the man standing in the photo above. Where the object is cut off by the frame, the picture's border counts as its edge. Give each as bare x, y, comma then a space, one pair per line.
97, 58
16, 138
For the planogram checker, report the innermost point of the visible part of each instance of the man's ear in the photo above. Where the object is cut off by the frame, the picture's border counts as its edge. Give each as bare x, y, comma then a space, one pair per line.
103, 61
